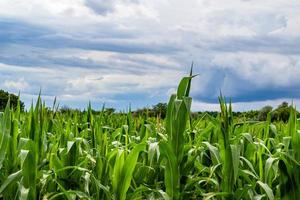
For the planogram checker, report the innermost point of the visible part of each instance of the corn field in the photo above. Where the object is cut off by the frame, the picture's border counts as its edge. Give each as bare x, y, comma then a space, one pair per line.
47, 155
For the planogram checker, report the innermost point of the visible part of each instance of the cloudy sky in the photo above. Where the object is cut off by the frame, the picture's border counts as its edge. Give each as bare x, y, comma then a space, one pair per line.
119, 52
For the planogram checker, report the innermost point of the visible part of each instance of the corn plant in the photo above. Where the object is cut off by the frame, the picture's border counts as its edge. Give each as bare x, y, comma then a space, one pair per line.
48, 154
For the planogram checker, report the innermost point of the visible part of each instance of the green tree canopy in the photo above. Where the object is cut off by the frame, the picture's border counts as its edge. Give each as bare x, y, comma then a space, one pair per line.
282, 112
160, 109
4, 96
263, 113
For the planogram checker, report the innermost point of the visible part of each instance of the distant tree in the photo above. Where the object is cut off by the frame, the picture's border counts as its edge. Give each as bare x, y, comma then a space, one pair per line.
283, 105
65, 109
282, 112
160, 109
247, 115
110, 110
13, 100
263, 113
143, 112
69, 110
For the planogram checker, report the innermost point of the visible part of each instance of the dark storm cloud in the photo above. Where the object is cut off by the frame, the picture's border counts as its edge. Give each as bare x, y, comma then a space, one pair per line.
16, 32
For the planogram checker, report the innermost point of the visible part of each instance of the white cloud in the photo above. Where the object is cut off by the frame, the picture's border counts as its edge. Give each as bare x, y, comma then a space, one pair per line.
16, 85
263, 69
202, 106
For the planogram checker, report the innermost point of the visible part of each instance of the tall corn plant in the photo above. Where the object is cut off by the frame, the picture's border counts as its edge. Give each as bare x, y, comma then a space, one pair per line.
289, 165
12, 153
172, 150
228, 164
5, 126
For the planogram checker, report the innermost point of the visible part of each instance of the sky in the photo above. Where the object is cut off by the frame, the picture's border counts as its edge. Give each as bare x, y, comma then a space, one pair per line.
134, 52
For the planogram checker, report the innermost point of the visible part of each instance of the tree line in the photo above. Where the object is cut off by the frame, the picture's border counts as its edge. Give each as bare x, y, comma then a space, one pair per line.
280, 113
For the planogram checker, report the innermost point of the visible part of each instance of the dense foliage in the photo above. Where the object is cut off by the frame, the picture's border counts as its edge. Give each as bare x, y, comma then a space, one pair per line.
281, 113
4, 96
46, 154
